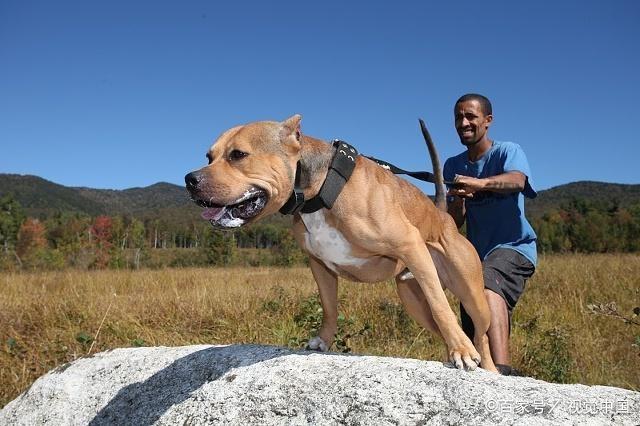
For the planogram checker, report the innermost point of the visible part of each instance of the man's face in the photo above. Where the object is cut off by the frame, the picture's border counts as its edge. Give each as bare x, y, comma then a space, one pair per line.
471, 123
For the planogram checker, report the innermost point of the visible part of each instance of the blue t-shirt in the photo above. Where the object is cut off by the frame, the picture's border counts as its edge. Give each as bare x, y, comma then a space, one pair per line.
496, 220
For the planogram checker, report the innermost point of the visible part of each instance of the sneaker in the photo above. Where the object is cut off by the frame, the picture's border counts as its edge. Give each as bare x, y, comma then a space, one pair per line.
507, 370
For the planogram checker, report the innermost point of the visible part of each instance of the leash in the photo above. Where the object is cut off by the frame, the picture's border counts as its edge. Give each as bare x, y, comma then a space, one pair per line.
423, 176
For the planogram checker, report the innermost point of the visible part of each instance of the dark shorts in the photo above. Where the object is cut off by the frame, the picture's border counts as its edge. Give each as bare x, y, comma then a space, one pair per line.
505, 272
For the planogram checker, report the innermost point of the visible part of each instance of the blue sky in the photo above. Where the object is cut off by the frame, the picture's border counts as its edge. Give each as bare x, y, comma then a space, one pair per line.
120, 94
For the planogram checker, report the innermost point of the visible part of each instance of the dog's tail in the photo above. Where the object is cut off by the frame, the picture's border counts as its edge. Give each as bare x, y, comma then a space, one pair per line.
441, 199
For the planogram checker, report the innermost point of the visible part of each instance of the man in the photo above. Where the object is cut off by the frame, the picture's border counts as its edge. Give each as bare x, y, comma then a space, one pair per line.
490, 179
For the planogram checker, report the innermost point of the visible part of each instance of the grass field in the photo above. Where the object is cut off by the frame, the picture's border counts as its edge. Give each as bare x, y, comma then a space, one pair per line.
49, 318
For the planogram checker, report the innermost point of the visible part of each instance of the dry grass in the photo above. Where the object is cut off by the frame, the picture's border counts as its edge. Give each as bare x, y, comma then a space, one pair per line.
49, 318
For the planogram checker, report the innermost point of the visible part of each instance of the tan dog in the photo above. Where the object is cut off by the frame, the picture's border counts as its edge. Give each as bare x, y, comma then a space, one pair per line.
379, 225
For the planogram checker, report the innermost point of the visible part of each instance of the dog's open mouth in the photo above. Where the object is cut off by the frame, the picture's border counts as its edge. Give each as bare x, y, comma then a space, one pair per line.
237, 213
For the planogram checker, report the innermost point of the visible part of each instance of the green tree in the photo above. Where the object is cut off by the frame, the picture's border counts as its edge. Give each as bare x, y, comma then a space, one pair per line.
633, 228
11, 218
70, 234
219, 247
287, 252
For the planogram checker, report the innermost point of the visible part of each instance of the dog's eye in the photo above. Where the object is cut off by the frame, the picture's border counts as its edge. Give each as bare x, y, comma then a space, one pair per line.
209, 158
236, 155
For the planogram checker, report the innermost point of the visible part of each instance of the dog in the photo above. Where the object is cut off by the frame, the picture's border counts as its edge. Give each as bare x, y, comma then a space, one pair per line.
377, 227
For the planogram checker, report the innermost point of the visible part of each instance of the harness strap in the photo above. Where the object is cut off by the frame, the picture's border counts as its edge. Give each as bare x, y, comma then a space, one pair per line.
296, 200
340, 170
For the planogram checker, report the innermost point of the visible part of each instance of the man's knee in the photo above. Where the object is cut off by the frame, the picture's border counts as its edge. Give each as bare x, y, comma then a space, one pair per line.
505, 272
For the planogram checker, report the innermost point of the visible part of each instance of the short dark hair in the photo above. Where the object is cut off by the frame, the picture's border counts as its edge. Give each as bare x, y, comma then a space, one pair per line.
484, 102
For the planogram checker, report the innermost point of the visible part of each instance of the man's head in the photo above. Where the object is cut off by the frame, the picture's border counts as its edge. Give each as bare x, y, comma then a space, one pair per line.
473, 116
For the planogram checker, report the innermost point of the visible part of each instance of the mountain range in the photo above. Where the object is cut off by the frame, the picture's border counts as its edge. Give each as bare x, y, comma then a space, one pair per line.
165, 201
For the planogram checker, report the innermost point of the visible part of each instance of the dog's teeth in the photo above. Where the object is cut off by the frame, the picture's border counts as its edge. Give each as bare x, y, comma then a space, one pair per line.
236, 214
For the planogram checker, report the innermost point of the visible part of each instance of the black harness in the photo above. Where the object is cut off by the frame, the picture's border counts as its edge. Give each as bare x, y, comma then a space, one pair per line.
340, 170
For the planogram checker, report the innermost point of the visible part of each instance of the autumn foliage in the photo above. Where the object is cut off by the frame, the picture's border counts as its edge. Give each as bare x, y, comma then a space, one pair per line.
31, 237
101, 232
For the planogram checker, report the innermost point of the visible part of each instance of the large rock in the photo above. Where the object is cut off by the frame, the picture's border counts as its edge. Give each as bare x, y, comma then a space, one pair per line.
249, 384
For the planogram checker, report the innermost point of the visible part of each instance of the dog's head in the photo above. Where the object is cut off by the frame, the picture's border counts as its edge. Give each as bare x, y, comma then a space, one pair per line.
250, 174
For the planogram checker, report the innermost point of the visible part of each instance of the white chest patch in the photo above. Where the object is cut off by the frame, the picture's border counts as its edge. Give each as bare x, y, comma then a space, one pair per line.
327, 243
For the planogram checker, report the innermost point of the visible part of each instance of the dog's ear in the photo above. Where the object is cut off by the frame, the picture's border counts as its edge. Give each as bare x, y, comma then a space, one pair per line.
291, 127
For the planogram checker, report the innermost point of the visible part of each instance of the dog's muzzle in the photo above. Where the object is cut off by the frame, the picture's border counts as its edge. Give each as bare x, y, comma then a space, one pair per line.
230, 215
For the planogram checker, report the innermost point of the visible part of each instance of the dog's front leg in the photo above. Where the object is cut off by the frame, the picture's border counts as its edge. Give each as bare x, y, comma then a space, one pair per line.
461, 351
327, 282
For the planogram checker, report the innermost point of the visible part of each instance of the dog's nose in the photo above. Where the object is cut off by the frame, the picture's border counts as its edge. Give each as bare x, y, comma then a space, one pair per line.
192, 180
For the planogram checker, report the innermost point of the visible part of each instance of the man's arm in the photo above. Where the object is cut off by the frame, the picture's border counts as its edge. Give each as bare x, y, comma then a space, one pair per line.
466, 186
504, 183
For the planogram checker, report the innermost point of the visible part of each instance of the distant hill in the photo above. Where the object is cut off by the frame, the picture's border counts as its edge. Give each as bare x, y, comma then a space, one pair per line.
171, 203
162, 201
600, 192
42, 198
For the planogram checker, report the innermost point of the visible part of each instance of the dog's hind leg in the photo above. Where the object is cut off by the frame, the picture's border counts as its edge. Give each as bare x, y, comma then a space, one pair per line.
416, 304
327, 282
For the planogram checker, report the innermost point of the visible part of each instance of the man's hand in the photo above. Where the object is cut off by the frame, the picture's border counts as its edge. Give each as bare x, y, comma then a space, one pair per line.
466, 186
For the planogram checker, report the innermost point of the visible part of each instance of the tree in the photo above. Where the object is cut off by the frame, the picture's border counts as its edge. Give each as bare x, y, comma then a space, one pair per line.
219, 247
31, 237
70, 234
137, 240
288, 252
11, 217
101, 234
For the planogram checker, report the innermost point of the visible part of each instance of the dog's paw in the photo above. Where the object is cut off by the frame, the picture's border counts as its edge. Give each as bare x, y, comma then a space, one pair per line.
317, 344
464, 360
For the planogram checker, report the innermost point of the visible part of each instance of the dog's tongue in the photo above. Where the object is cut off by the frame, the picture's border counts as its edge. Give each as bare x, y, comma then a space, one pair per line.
212, 213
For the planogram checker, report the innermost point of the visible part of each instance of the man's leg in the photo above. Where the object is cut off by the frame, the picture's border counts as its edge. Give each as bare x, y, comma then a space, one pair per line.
498, 332
505, 273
